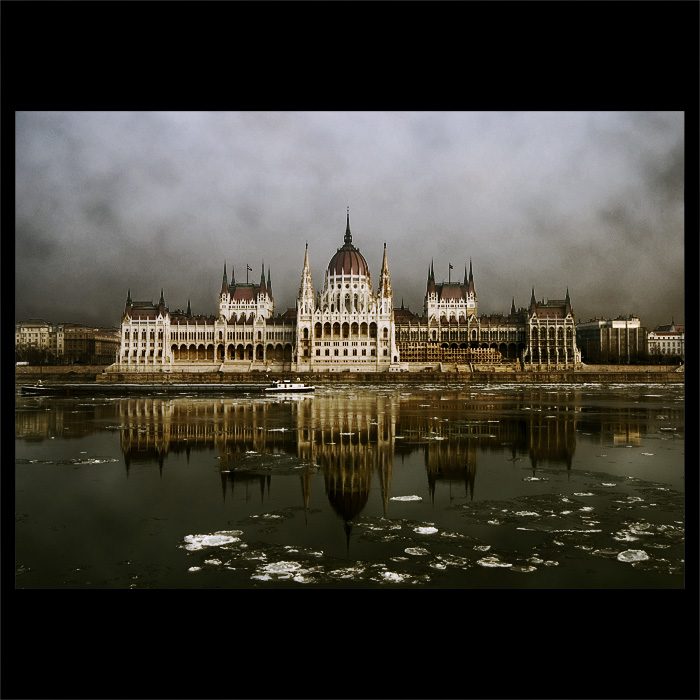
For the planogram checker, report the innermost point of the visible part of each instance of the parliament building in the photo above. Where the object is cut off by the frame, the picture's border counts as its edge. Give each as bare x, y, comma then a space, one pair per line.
347, 326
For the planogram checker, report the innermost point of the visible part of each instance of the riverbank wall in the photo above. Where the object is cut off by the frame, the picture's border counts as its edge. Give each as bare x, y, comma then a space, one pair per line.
587, 374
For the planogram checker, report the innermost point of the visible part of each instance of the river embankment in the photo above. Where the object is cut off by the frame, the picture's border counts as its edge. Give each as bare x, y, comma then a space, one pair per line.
608, 374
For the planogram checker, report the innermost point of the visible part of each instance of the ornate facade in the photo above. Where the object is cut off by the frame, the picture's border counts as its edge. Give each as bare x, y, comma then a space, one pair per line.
345, 327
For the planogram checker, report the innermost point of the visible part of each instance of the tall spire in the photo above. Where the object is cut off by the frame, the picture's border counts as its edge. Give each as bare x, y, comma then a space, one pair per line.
269, 284
348, 235
471, 278
431, 278
263, 289
384, 278
305, 300
161, 302
224, 282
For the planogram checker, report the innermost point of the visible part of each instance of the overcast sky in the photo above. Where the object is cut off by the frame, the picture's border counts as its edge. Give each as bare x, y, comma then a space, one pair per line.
112, 201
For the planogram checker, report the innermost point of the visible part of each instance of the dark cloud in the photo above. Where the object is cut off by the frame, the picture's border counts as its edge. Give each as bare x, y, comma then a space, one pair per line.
143, 201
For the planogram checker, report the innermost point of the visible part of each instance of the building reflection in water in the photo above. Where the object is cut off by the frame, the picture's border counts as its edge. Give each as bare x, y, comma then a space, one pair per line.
351, 439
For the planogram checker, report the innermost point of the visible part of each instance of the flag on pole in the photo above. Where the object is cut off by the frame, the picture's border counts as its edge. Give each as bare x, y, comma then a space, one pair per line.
451, 268
251, 269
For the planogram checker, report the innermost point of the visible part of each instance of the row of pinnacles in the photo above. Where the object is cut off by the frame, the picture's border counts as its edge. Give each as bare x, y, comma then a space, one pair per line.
345, 327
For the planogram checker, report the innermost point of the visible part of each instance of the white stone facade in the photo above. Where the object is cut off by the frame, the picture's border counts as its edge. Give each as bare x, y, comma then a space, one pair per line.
347, 327
667, 340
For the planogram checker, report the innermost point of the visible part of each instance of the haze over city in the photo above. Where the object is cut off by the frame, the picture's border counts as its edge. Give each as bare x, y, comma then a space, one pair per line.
110, 202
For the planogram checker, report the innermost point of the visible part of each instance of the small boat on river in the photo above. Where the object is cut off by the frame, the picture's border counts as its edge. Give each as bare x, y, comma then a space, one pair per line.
286, 386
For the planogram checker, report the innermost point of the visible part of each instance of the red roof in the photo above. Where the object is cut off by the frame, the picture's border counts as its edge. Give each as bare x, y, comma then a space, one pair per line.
453, 290
348, 260
244, 293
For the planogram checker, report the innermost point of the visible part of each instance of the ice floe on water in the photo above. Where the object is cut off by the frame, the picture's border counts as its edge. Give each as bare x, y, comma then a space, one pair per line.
484, 539
633, 555
426, 530
217, 539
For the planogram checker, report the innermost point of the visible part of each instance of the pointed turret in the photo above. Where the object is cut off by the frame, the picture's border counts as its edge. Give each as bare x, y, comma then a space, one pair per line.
470, 288
306, 287
263, 288
431, 279
128, 306
348, 235
512, 307
161, 301
224, 282
189, 308
269, 284
384, 278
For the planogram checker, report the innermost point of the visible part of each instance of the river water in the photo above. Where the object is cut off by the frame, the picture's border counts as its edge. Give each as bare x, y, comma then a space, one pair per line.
355, 486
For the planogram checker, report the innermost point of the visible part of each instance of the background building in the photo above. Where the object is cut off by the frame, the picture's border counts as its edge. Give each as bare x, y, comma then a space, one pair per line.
42, 342
667, 341
619, 341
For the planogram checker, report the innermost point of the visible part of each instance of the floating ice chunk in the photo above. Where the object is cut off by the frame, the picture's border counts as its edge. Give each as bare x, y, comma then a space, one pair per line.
425, 530
527, 512
393, 577
584, 494
195, 568
195, 542
632, 555
493, 562
648, 454
406, 498
482, 547
416, 551
281, 567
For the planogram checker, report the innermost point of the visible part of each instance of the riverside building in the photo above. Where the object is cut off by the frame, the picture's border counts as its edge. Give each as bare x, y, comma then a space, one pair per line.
621, 340
346, 326
667, 340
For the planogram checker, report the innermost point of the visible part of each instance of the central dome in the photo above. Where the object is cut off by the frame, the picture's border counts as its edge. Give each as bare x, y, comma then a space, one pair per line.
348, 260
